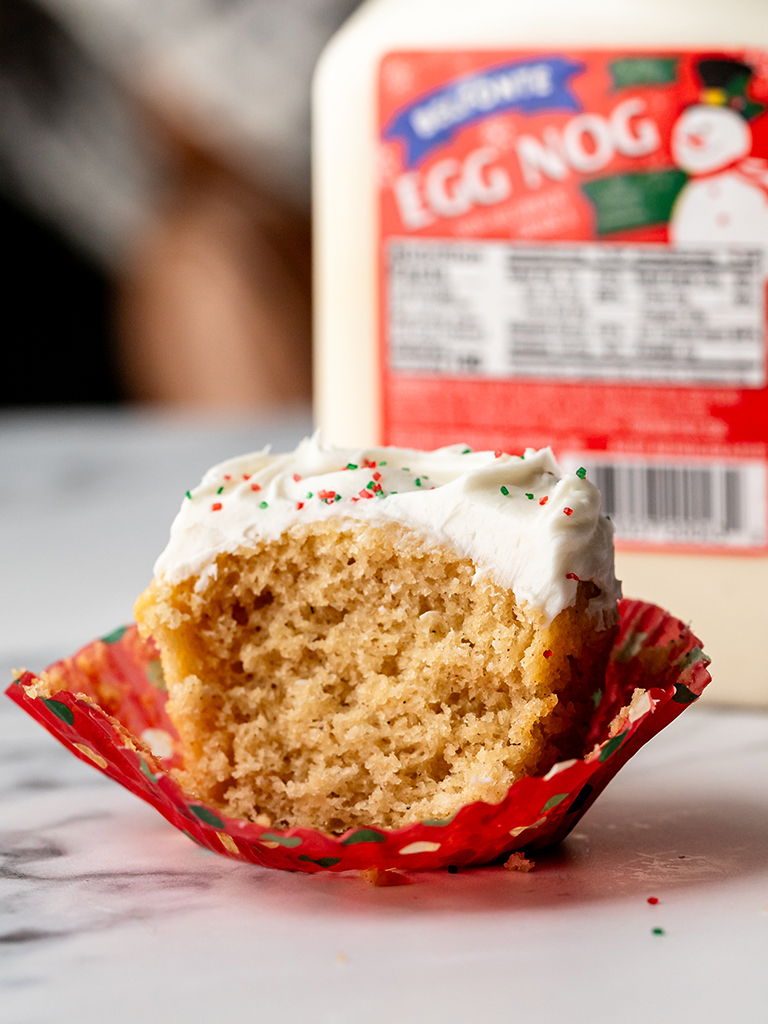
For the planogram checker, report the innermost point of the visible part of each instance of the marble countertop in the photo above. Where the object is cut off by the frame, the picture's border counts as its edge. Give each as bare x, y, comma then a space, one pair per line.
108, 913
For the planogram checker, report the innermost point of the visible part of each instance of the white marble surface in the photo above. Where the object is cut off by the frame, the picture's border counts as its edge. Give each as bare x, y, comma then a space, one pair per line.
107, 913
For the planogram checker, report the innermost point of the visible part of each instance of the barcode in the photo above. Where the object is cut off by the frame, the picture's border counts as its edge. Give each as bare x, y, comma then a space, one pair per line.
722, 504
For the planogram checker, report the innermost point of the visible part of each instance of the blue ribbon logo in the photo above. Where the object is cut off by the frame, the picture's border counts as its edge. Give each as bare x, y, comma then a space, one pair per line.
529, 86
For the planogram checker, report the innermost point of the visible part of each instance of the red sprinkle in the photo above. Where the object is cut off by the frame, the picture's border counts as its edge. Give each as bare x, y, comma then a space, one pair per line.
498, 453
547, 654
543, 501
572, 576
299, 504
653, 900
296, 477
255, 487
366, 494
326, 495
377, 476
246, 476
368, 465
568, 511
215, 506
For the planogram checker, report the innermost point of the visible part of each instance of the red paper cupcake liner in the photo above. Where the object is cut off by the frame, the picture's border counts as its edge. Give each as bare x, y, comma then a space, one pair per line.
108, 707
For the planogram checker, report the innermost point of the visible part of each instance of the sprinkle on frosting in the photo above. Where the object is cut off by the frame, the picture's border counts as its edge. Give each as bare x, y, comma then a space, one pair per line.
452, 496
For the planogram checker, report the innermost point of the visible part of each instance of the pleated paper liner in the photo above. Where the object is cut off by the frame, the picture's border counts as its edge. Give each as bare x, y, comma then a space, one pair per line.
107, 705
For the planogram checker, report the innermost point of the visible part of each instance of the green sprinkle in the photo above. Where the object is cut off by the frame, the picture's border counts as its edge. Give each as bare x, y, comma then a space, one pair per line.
370, 485
406, 469
418, 482
337, 497
309, 494
657, 931
581, 472
220, 490
529, 496
263, 504
608, 518
351, 465
188, 495
467, 451
380, 494
382, 463
504, 491
393, 492
597, 696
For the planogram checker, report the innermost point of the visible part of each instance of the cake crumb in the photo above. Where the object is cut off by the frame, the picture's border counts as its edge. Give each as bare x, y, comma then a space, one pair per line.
380, 877
518, 862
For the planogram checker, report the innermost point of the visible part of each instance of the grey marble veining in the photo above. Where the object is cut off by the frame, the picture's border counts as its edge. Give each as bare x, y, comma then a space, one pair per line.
107, 913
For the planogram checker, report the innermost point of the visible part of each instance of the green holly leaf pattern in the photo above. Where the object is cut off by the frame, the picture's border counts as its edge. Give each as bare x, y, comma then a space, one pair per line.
115, 635
61, 710
322, 862
612, 746
364, 835
206, 815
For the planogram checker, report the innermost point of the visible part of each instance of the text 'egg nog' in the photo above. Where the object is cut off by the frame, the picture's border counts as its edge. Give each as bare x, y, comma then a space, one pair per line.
548, 224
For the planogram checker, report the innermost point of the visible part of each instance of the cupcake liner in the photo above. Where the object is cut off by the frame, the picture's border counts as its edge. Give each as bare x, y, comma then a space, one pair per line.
107, 705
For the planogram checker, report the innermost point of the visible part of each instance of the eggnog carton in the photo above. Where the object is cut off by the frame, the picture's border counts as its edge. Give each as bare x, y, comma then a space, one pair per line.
550, 226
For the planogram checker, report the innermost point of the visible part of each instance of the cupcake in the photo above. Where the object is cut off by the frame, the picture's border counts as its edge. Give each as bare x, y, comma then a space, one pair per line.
380, 637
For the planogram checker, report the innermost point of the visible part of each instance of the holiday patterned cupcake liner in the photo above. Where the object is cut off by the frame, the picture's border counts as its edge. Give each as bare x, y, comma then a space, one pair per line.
107, 705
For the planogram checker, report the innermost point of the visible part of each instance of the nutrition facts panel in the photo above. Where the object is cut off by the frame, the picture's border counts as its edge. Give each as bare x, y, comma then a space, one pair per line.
587, 311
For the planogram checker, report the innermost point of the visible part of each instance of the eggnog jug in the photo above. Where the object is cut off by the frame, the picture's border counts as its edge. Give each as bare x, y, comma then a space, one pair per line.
548, 224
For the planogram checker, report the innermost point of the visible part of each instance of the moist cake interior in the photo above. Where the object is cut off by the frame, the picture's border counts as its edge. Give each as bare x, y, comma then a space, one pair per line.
349, 675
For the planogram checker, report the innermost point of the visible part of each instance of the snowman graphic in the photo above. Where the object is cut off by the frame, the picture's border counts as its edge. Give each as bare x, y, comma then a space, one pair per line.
725, 199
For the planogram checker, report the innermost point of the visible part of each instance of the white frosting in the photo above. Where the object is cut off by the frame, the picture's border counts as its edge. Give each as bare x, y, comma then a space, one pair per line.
524, 523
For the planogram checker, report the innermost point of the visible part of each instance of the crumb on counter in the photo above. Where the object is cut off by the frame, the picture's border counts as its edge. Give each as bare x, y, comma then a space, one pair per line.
518, 862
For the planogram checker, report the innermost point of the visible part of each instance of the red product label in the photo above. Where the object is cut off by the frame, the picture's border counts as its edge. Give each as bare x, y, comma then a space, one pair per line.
574, 251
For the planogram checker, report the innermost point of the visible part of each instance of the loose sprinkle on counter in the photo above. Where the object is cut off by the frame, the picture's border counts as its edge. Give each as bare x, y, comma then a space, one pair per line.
544, 500
568, 511
581, 472
505, 491
547, 654
572, 576
188, 494
653, 900
216, 506
657, 931
529, 496
263, 504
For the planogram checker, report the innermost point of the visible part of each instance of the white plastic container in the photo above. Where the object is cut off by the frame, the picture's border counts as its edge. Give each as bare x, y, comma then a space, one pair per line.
703, 438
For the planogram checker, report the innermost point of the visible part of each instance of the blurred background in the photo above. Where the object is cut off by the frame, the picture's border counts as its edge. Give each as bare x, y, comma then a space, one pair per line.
154, 200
